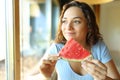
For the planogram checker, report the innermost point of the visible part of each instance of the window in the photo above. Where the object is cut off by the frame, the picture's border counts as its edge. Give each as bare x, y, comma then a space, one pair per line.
37, 29
12, 60
2, 40
23, 24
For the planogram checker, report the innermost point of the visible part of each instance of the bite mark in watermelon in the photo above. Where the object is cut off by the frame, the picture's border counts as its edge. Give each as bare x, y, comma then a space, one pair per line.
73, 51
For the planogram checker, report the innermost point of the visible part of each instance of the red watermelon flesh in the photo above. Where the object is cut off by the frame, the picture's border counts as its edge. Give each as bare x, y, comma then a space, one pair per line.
73, 51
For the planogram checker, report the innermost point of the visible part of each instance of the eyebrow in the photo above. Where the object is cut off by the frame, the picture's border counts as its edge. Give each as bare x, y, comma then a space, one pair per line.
78, 17
73, 18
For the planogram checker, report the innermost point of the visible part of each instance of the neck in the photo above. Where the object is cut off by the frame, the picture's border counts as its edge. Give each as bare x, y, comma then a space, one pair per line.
85, 46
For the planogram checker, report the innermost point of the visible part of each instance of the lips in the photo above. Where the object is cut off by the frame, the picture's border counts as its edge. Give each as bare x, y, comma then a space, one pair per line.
69, 33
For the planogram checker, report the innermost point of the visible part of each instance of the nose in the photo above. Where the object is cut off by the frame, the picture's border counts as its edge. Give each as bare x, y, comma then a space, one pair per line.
69, 26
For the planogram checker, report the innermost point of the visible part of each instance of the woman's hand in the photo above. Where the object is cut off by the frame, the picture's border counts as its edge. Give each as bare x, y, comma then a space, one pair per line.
47, 65
97, 69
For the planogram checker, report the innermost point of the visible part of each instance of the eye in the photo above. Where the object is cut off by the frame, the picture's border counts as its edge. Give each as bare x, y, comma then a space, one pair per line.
63, 21
77, 21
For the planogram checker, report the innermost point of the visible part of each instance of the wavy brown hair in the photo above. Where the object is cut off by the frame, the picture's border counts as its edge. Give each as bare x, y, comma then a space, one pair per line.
93, 35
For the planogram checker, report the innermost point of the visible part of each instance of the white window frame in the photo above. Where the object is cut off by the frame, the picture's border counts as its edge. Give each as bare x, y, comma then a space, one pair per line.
12, 35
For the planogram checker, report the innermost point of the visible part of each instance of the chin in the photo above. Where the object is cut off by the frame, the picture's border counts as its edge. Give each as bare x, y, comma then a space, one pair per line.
68, 38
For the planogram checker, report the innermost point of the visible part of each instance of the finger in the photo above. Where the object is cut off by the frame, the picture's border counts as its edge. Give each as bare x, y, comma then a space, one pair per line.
98, 63
53, 57
99, 76
47, 65
49, 62
95, 70
92, 69
97, 66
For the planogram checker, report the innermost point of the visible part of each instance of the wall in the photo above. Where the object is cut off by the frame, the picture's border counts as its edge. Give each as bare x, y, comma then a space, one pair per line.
110, 28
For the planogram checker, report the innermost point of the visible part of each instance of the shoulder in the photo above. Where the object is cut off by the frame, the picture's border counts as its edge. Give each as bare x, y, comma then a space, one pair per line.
54, 48
57, 46
101, 52
100, 45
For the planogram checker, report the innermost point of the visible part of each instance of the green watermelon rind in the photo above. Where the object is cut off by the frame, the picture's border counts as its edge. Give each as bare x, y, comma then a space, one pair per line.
78, 60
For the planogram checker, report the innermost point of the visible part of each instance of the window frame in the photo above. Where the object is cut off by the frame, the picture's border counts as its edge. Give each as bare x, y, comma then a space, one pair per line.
12, 17
12, 34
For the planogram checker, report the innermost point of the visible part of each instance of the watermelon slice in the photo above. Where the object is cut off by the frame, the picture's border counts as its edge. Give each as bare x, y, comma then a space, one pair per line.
73, 51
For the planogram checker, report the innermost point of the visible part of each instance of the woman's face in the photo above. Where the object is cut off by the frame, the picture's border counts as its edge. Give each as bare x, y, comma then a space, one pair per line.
74, 25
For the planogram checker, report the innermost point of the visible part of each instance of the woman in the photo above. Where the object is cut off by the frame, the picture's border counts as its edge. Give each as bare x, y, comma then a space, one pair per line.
78, 21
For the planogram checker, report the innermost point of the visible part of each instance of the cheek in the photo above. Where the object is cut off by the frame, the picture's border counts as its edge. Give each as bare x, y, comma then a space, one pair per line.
82, 32
62, 29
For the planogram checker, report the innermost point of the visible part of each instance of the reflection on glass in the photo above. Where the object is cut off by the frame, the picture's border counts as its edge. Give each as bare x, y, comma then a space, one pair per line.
35, 32
2, 40
38, 28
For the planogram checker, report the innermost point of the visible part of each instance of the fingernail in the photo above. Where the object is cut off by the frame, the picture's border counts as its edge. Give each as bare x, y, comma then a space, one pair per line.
52, 61
59, 58
83, 64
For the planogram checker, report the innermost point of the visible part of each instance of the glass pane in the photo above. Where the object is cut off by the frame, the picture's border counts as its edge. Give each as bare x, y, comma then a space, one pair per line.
2, 40
35, 33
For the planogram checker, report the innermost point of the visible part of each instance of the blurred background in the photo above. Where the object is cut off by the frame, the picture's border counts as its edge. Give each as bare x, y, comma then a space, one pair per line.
37, 25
